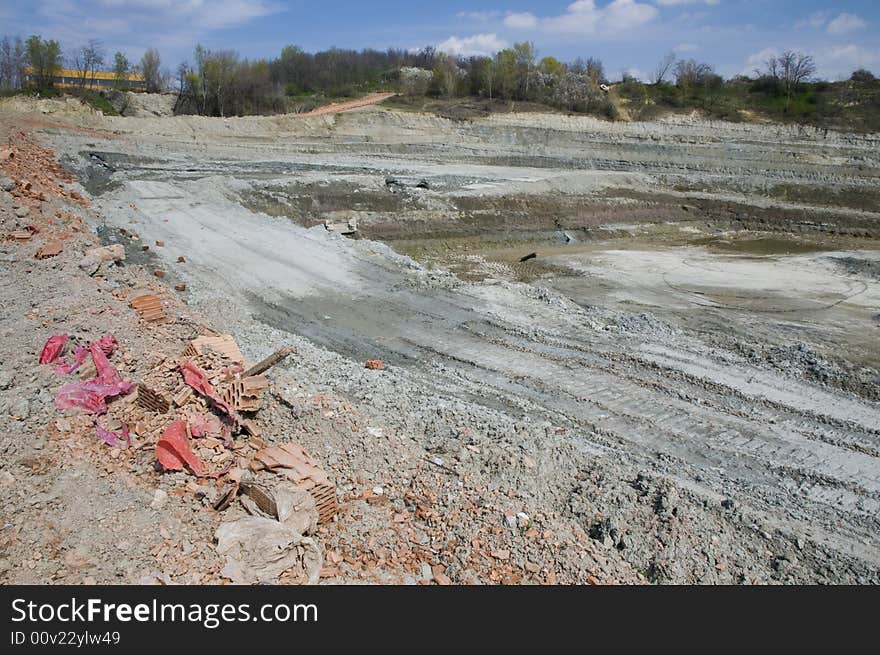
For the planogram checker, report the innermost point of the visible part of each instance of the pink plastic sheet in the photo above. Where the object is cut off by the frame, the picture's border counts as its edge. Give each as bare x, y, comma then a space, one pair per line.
53, 348
174, 453
91, 395
120, 439
108, 344
79, 356
208, 425
196, 378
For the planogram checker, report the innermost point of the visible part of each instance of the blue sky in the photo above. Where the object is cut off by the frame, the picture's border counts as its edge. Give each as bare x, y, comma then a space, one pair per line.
734, 35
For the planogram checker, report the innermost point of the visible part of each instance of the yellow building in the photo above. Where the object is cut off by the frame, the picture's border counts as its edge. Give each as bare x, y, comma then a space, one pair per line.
69, 78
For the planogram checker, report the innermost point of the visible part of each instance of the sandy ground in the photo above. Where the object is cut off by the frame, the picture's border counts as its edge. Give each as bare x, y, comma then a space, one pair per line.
701, 415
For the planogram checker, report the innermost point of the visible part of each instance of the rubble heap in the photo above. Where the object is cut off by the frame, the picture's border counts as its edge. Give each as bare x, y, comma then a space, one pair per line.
197, 412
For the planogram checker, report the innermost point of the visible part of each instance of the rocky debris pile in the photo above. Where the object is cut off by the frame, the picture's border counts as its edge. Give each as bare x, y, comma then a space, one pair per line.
35, 173
131, 104
412, 517
33, 179
191, 411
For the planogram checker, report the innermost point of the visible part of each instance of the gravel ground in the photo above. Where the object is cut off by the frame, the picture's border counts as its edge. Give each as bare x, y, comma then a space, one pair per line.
514, 437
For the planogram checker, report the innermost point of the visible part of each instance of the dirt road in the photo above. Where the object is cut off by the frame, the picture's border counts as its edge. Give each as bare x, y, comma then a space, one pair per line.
337, 107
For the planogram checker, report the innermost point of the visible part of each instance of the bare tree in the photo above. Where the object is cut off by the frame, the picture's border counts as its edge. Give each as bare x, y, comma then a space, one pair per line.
663, 68
87, 61
96, 58
12, 58
75, 64
425, 57
690, 73
791, 69
578, 66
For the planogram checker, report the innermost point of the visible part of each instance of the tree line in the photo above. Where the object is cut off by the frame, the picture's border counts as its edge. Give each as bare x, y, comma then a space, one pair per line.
222, 83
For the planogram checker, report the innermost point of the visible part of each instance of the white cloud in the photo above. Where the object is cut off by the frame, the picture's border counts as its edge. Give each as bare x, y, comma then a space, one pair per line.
840, 61
478, 45
843, 23
521, 21
479, 16
583, 17
846, 23
142, 23
685, 47
688, 2
757, 61
817, 20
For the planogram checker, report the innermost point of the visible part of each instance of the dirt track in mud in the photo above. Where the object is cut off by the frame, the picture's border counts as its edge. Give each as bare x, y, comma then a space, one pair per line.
645, 353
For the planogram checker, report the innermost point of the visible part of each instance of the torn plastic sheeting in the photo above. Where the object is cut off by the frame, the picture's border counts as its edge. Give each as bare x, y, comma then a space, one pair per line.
106, 373
104, 347
111, 438
108, 344
53, 348
208, 425
90, 395
259, 551
174, 453
79, 356
197, 379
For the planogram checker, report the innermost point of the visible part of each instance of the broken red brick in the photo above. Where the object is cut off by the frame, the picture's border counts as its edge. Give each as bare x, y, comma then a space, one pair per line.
375, 365
149, 307
152, 400
50, 249
244, 394
291, 461
222, 344
21, 235
180, 287
158, 273
251, 427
